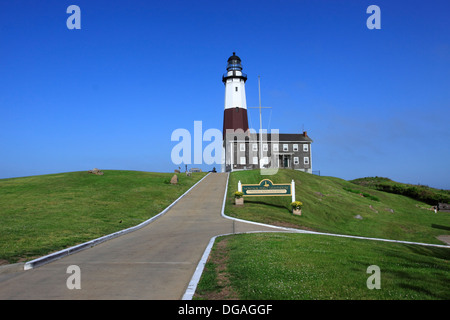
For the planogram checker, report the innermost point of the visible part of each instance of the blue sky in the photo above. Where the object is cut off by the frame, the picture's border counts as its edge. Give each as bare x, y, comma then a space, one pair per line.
375, 102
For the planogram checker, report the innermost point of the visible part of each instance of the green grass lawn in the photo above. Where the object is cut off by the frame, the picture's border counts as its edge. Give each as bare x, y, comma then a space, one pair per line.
304, 266
43, 214
329, 206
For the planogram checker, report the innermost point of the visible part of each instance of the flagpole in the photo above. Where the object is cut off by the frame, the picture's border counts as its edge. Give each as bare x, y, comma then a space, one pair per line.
259, 92
260, 123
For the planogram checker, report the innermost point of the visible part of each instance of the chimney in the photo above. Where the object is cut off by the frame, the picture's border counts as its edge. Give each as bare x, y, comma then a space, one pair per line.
305, 134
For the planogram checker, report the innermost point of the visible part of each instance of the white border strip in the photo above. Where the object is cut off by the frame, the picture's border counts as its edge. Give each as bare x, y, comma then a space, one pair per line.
65, 252
192, 286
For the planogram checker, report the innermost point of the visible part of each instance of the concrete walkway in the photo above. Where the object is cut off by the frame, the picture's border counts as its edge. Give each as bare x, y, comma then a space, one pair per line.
154, 262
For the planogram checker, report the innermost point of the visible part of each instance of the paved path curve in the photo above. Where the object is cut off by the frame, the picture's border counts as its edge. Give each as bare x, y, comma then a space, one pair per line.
154, 262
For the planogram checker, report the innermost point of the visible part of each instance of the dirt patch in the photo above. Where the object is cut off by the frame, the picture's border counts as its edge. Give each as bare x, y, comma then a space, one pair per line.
320, 194
219, 258
3, 262
444, 238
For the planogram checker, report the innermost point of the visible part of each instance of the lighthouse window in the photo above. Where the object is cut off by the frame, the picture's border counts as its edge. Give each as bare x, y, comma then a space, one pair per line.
236, 89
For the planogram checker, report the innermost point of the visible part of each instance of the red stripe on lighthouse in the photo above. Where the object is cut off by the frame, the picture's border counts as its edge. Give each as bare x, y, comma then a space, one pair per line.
235, 118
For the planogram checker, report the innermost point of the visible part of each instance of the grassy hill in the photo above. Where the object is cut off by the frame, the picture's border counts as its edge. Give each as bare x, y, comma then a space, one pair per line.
43, 214
306, 266
331, 205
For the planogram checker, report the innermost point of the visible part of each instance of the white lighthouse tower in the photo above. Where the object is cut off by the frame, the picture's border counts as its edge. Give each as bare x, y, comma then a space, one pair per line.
235, 114
234, 81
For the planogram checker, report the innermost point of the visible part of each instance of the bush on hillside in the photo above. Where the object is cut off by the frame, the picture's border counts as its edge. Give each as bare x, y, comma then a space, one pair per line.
425, 194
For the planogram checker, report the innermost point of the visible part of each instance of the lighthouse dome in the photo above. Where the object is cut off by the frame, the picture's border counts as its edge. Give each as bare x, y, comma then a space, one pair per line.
234, 57
234, 63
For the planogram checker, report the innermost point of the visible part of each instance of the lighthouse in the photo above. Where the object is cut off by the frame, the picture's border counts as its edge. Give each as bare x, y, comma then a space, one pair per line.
243, 148
235, 114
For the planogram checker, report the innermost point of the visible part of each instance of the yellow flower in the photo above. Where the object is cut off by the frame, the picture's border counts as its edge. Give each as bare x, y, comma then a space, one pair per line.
297, 204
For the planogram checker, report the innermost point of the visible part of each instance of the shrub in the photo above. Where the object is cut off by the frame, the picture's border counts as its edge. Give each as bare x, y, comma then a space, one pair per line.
364, 194
238, 194
371, 197
418, 192
296, 205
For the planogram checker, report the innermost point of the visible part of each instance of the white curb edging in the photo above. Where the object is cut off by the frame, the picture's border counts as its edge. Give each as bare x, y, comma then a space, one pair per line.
65, 252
